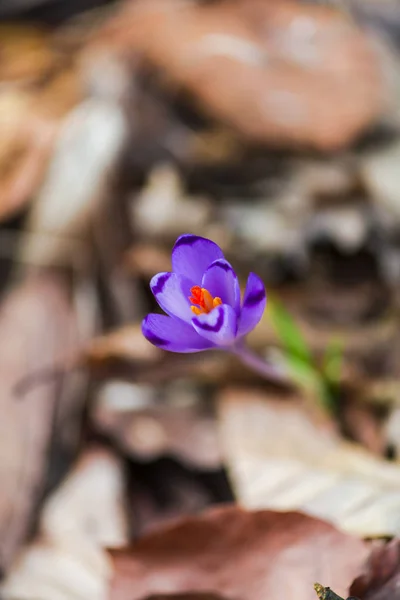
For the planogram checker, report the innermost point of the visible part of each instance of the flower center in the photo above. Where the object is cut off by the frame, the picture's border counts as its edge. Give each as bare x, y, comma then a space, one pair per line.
203, 300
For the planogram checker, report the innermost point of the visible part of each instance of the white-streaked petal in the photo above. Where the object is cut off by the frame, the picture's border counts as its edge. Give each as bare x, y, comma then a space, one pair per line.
219, 326
172, 293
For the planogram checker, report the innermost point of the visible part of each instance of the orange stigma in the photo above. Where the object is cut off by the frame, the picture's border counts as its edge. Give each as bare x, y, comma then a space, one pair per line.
203, 299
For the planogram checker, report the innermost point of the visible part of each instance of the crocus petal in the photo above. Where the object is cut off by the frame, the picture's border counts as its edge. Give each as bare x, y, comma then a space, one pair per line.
192, 254
172, 293
253, 304
173, 334
221, 280
219, 326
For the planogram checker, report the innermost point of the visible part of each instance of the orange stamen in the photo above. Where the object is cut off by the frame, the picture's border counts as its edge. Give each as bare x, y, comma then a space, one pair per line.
203, 301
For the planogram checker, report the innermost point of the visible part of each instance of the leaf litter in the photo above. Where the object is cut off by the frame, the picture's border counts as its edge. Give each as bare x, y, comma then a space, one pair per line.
123, 127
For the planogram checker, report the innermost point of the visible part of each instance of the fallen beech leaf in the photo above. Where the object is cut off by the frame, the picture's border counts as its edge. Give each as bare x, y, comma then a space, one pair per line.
238, 554
380, 579
281, 458
67, 560
255, 65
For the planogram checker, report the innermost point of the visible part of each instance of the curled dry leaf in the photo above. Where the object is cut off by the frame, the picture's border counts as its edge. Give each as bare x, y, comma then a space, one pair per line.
272, 70
380, 579
67, 559
280, 457
126, 343
126, 354
147, 259
238, 554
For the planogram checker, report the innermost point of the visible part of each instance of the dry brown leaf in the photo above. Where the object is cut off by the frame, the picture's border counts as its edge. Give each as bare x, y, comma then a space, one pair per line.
380, 579
178, 425
38, 329
163, 207
125, 343
146, 260
39, 87
92, 134
239, 554
26, 53
25, 145
127, 355
281, 458
363, 424
67, 560
271, 70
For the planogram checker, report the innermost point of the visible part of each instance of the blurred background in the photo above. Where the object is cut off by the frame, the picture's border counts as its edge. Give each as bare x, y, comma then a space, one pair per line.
271, 127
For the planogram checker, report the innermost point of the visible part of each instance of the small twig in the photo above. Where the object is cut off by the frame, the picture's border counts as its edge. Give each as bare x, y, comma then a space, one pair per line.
325, 593
43, 376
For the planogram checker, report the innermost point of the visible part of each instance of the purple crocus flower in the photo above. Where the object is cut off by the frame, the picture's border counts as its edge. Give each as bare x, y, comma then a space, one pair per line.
202, 300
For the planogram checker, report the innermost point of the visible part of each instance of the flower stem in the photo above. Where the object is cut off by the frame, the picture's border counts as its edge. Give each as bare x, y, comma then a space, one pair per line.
271, 372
